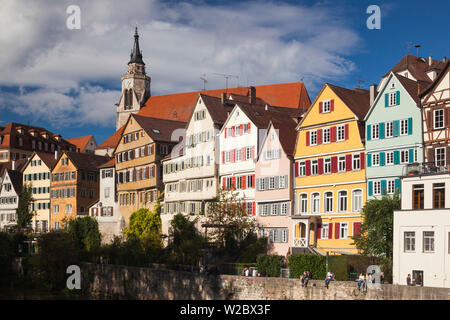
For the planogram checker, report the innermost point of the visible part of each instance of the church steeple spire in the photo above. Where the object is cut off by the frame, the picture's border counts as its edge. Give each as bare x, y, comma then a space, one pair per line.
136, 55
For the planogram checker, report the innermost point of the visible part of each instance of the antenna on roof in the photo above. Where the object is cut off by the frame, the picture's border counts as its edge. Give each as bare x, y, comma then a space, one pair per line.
204, 79
408, 47
360, 82
227, 76
417, 47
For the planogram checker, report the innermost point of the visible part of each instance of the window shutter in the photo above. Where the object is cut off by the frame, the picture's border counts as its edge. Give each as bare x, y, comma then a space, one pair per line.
396, 157
411, 155
332, 105
368, 132
333, 134
253, 152
242, 154
397, 185
386, 99
296, 169
410, 126
330, 231
348, 162
381, 132
383, 186
382, 158
447, 117
253, 208
232, 155
369, 160
430, 152
361, 157
223, 183
277, 182
319, 136
356, 228
243, 181
398, 97
253, 180
429, 120
225, 133
308, 167
320, 107
241, 129
249, 125
447, 155
370, 183
396, 128
319, 231
320, 161
223, 157
346, 131
233, 183
258, 184
333, 164
307, 138
336, 230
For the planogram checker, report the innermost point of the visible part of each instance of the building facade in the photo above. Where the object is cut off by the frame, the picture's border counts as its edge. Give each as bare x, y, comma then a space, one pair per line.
10, 190
330, 182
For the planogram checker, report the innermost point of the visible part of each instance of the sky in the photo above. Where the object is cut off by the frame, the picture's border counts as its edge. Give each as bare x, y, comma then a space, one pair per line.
68, 80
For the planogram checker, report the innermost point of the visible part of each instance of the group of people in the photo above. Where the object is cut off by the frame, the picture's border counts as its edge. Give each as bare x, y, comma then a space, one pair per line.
368, 278
412, 282
246, 273
305, 277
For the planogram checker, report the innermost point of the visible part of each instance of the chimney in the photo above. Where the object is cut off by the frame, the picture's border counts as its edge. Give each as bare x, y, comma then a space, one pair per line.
444, 60
418, 88
13, 165
372, 92
266, 107
56, 154
430, 60
251, 95
223, 97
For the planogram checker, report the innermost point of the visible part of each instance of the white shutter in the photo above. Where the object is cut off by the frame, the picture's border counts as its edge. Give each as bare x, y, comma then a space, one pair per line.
277, 182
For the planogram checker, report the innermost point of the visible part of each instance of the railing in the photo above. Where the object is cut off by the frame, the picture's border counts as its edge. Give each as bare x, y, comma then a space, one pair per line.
300, 242
426, 168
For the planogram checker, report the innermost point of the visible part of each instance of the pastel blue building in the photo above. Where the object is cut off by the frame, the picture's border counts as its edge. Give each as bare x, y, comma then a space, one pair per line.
393, 135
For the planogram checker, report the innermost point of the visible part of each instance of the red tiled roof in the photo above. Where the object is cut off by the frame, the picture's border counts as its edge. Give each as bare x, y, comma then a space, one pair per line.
179, 106
357, 100
80, 142
86, 161
113, 140
109, 164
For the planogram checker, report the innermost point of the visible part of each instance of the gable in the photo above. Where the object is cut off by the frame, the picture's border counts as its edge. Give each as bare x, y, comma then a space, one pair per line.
441, 90
195, 125
131, 127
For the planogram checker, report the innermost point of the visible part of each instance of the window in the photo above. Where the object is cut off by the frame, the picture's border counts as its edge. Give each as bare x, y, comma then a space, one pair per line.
390, 186
389, 129
303, 203
438, 118
326, 135
392, 99
342, 200
326, 106
409, 241
375, 131
418, 193
164, 149
439, 156
325, 232
341, 164
438, 195
356, 162
314, 167
390, 158
377, 187
357, 200
284, 208
328, 201
340, 133
68, 208
428, 241
315, 202
343, 232
302, 169
327, 166
248, 153
313, 138
55, 208
404, 156
404, 127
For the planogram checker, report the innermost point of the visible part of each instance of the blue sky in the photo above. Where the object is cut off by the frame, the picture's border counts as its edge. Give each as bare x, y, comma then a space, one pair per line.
69, 80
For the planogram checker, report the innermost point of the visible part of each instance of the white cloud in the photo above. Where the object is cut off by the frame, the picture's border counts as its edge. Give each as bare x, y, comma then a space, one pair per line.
258, 41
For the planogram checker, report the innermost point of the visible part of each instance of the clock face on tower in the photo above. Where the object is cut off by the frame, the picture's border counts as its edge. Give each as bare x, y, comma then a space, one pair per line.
128, 83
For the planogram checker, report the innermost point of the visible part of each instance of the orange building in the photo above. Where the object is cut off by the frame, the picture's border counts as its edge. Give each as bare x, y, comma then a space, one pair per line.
74, 186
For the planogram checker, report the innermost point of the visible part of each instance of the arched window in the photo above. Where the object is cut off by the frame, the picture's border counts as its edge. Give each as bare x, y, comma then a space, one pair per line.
343, 201
303, 203
328, 201
357, 200
315, 202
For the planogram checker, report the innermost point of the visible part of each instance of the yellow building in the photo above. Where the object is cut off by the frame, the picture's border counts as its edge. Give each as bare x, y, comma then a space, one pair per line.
330, 184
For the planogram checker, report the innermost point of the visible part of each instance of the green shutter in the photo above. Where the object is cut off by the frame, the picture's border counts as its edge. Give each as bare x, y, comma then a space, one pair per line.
396, 157
369, 159
370, 188
383, 187
381, 125
411, 155
382, 158
398, 97
386, 100
397, 185
409, 125
368, 132
396, 128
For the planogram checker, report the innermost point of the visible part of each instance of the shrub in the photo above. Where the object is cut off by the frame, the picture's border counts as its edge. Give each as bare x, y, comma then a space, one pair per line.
298, 263
271, 263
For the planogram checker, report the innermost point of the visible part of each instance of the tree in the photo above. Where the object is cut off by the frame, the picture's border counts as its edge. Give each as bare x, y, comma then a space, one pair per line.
228, 221
84, 231
376, 231
24, 215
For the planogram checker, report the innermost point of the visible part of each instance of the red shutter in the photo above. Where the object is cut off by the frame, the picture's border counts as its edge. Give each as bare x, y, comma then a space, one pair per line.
243, 154
307, 138
232, 155
253, 181
332, 105
320, 165
356, 228
233, 131
336, 230
296, 169
241, 129
223, 183
333, 164
233, 182
348, 162
320, 107
330, 231
308, 167
319, 231
361, 157
253, 208
223, 157
225, 133
319, 136
249, 125
346, 131
333, 134
243, 182
253, 152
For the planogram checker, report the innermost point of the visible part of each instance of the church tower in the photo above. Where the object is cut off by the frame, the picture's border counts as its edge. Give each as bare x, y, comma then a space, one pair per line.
135, 86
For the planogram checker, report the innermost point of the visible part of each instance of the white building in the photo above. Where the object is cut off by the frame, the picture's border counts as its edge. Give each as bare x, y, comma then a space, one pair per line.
110, 222
422, 229
10, 189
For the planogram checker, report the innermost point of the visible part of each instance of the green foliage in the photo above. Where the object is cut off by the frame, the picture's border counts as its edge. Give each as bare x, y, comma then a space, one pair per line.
339, 265
251, 247
299, 263
7, 252
236, 268
24, 216
376, 236
84, 232
271, 263
185, 241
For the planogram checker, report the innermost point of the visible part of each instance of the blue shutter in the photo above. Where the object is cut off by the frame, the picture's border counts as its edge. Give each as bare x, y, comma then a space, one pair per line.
370, 188
411, 155
396, 157
410, 126
381, 128
382, 158
396, 128
398, 97
369, 159
397, 185
368, 133
383, 187
386, 100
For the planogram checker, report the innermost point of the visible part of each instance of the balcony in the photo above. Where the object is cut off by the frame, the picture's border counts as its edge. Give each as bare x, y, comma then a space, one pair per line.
426, 168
